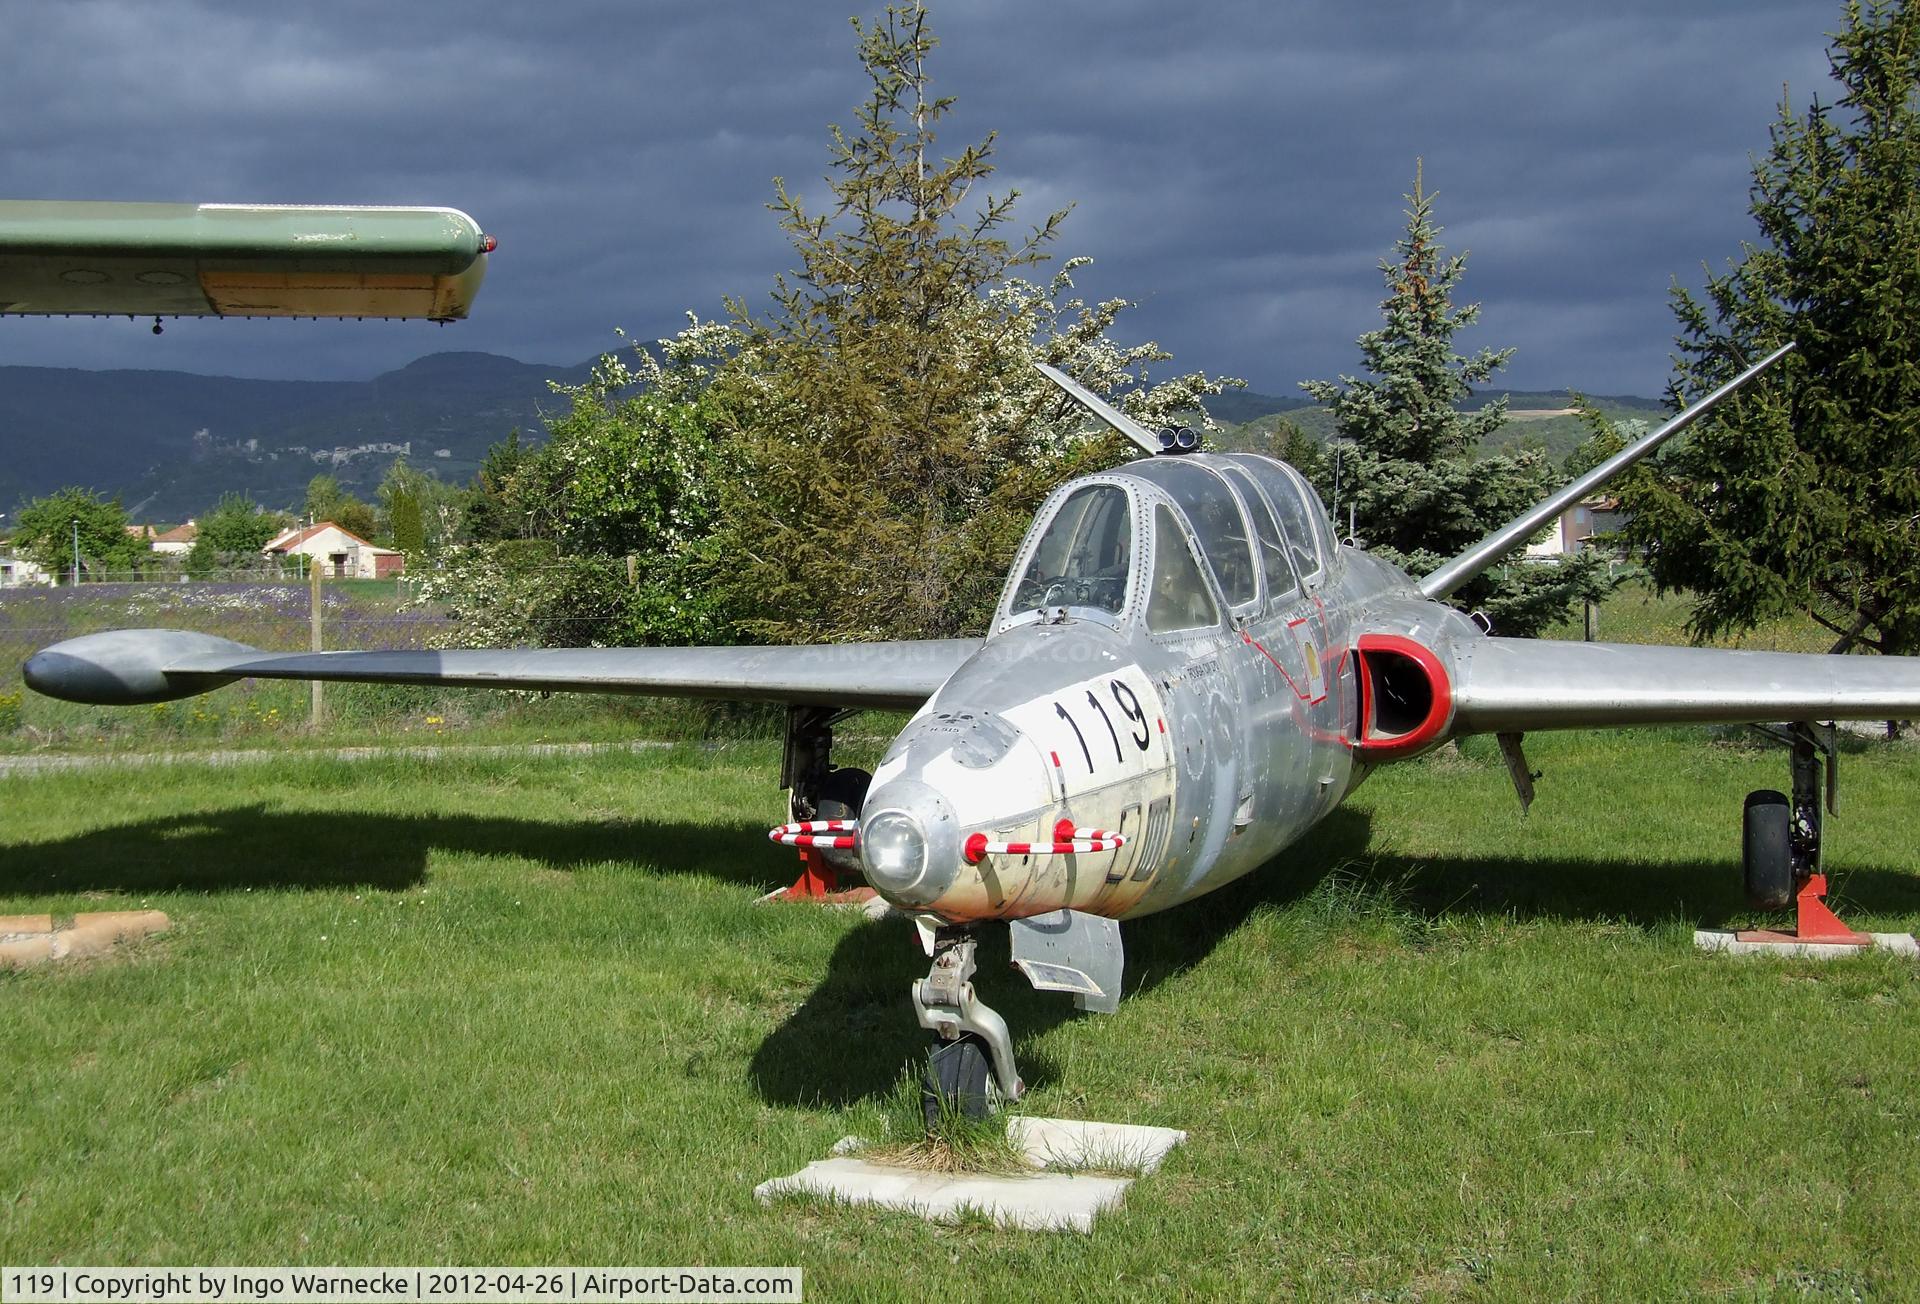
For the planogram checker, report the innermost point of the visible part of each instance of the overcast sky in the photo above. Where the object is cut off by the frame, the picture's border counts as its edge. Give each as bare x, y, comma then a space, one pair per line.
1236, 168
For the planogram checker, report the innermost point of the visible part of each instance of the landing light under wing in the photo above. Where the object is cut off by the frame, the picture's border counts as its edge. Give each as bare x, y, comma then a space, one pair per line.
238, 260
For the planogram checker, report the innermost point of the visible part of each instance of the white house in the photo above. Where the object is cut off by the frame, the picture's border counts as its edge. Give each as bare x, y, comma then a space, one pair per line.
16, 571
338, 552
1578, 524
177, 541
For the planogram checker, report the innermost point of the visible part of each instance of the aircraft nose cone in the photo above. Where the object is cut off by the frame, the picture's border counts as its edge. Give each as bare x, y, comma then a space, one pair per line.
909, 843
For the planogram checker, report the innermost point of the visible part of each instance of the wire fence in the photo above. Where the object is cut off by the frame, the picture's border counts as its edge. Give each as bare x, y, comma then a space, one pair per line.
273, 615
269, 615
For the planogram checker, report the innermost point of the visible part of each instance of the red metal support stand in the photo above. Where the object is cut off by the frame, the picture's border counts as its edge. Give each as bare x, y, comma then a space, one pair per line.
819, 884
817, 881
1814, 922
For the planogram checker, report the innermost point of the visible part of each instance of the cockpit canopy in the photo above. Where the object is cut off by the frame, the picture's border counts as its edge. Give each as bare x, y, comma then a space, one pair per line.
1259, 531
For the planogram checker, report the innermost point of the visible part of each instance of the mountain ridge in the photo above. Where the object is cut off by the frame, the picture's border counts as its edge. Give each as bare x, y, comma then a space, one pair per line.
170, 443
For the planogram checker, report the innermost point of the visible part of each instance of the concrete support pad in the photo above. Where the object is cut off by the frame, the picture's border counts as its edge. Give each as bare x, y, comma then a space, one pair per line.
1727, 941
1076, 1144
1039, 1201
864, 899
92, 934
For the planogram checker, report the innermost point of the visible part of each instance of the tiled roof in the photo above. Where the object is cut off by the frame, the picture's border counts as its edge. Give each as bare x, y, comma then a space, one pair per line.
292, 539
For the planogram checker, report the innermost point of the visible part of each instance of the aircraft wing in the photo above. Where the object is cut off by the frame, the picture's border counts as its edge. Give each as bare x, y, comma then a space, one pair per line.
1513, 685
130, 666
238, 260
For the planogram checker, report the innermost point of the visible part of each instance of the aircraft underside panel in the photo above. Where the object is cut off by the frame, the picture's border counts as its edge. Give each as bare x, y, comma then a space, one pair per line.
238, 260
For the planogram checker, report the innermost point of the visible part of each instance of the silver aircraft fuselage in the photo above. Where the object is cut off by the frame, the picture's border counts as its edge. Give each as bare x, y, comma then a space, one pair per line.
1208, 748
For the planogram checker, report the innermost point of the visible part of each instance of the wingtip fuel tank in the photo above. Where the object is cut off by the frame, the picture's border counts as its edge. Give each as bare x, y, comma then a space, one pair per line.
127, 667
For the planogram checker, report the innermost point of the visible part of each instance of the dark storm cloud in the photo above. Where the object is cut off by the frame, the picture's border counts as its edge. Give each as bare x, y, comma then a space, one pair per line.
1237, 168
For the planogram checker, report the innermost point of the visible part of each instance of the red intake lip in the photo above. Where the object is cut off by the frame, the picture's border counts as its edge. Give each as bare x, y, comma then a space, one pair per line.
1397, 660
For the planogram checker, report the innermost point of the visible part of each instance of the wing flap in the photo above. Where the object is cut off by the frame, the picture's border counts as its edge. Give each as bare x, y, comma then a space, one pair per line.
123, 667
1512, 685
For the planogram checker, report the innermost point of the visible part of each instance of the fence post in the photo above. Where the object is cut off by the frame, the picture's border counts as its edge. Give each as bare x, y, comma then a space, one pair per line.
317, 714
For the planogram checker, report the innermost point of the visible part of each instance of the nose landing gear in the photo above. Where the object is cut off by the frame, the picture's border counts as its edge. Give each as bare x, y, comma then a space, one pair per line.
971, 1064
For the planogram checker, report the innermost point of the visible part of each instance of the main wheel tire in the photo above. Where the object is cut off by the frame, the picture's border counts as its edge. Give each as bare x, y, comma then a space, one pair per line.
1766, 849
842, 793
957, 1080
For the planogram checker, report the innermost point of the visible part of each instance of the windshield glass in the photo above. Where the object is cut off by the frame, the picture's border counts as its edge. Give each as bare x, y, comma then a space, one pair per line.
1083, 558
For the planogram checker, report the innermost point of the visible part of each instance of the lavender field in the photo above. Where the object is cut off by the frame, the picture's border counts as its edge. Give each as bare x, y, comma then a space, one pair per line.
274, 617
269, 616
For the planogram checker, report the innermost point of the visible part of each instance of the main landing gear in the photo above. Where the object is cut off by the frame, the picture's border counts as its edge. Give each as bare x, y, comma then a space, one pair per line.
970, 1068
1780, 840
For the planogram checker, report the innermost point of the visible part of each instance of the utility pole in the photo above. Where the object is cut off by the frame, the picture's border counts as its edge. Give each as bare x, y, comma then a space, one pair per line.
76, 552
317, 713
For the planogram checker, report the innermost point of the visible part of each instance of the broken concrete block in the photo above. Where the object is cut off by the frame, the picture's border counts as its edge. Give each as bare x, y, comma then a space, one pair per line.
123, 924
24, 952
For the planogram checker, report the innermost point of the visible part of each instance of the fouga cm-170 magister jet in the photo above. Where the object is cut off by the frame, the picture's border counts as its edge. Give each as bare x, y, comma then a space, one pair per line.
1185, 672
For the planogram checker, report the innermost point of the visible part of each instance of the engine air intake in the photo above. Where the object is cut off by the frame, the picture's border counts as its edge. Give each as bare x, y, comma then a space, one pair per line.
1406, 697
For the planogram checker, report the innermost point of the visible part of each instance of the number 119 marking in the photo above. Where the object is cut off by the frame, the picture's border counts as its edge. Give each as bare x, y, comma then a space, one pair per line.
1129, 704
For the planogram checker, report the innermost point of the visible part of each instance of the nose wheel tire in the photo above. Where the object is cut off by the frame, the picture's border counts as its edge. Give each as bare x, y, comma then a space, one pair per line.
958, 1080
1766, 849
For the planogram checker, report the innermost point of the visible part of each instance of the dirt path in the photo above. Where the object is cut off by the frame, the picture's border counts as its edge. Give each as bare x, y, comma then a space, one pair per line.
22, 765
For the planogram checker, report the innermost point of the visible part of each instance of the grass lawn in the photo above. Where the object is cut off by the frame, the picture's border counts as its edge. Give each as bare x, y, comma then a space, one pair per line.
478, 1011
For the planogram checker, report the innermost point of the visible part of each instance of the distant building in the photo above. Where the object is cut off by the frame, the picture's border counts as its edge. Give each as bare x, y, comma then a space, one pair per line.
338, 552
16, 571
176, 541
1577, 526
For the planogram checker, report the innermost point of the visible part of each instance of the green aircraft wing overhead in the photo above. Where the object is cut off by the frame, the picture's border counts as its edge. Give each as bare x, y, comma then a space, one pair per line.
238, 260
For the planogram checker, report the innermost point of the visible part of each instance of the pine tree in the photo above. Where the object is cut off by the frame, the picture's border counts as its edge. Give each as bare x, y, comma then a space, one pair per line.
1409, 477
890, 438
1802, 492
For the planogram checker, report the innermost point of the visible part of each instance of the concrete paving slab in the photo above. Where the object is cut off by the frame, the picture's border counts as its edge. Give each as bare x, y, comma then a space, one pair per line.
1728, 942
1039, 1201
1073, 1143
